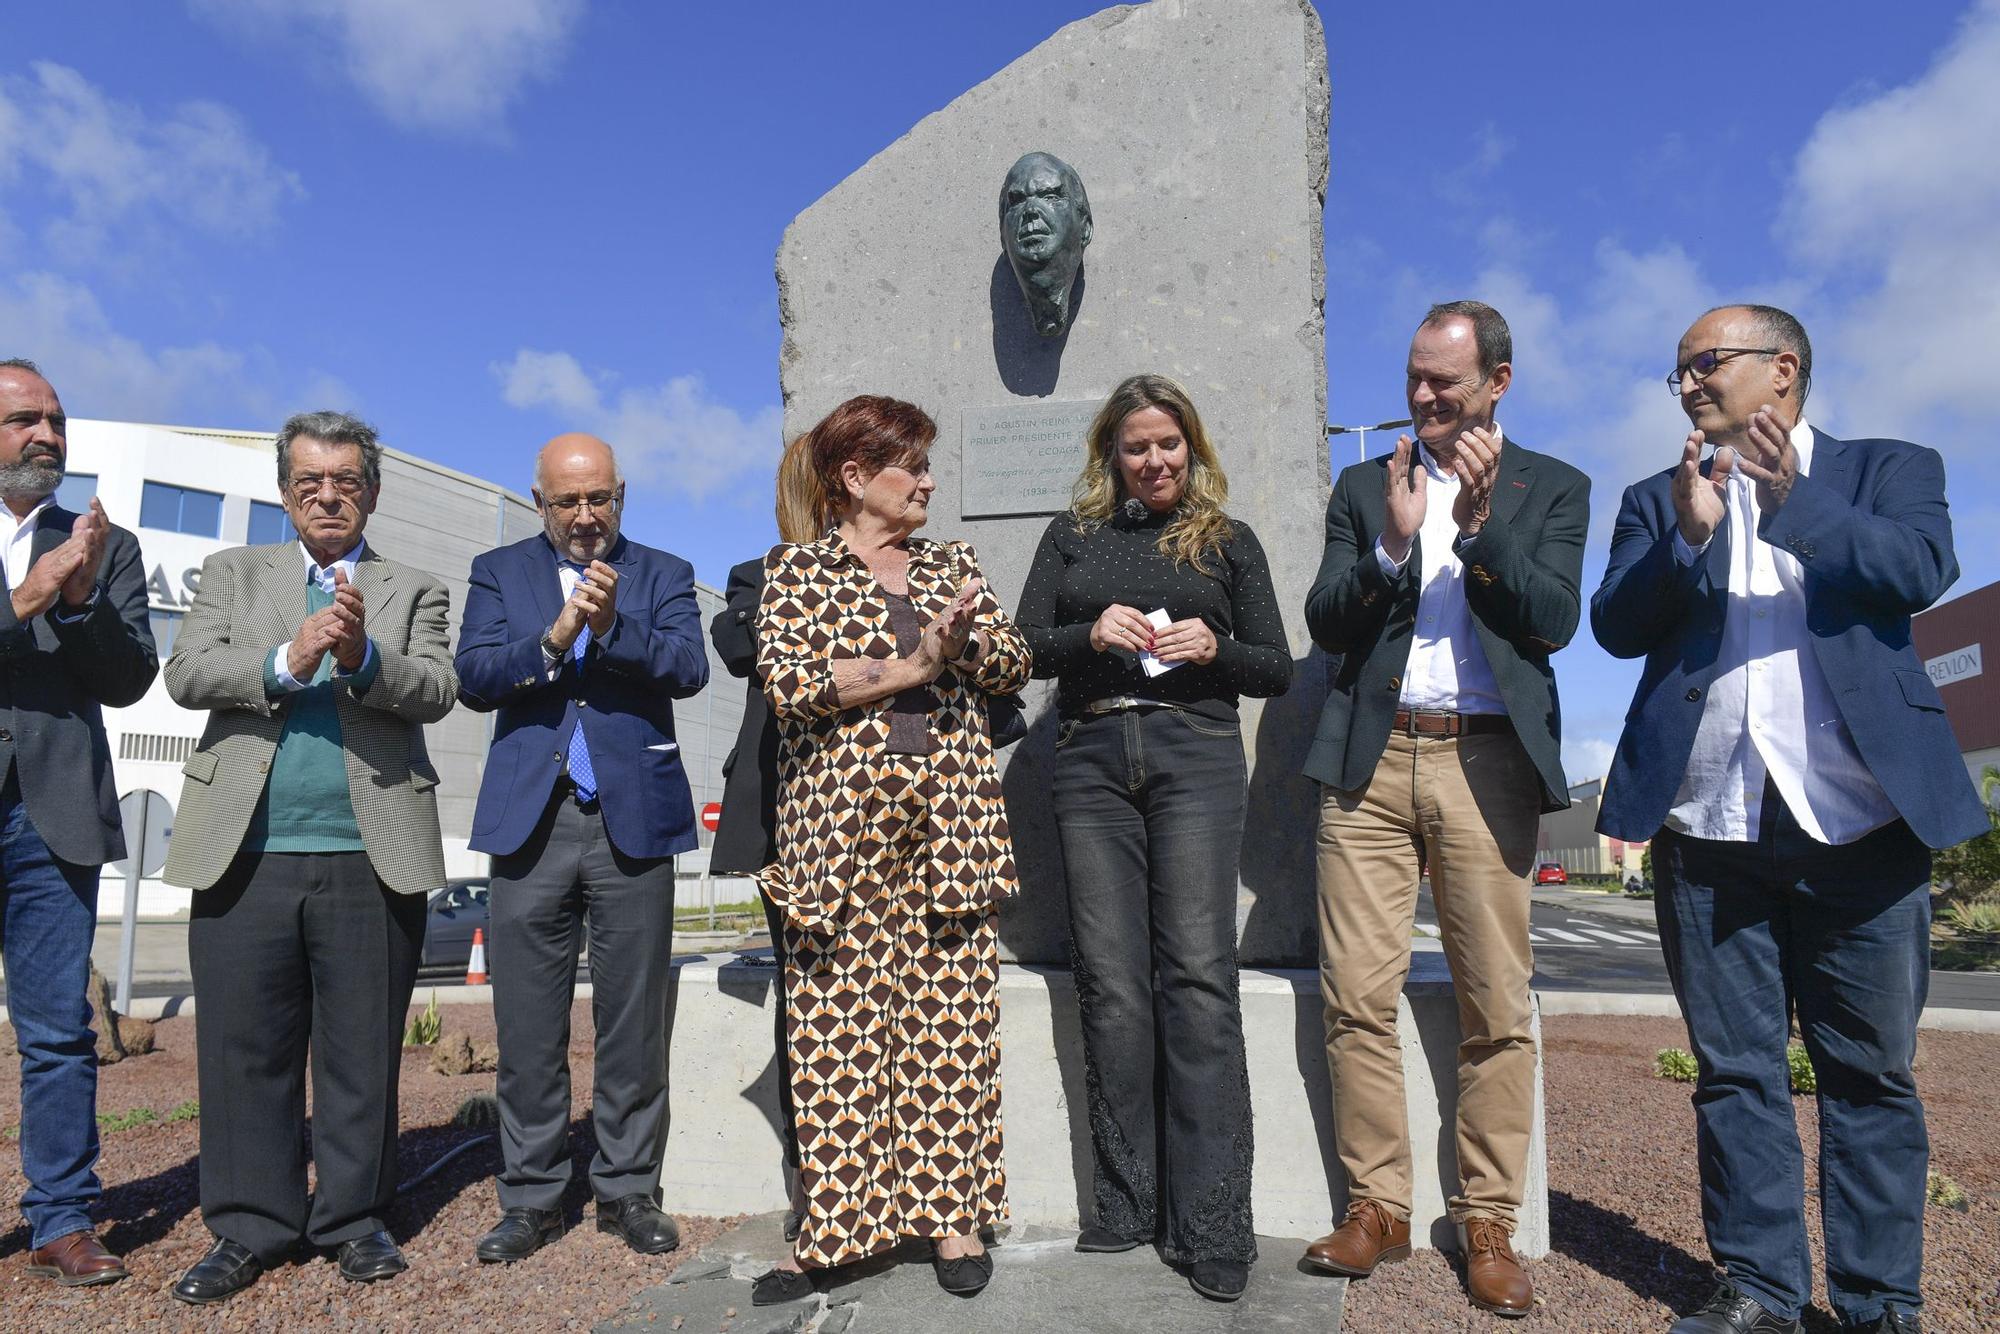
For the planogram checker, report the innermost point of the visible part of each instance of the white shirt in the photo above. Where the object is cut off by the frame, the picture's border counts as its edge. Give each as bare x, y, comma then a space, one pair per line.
1447, 671
569, 577
323, 576
21, 542
1769, 709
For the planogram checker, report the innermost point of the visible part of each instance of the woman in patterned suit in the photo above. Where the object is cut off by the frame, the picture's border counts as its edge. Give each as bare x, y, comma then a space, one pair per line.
878, 649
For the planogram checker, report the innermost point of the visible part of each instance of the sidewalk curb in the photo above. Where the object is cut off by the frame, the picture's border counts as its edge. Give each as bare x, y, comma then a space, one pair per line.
1665, 1007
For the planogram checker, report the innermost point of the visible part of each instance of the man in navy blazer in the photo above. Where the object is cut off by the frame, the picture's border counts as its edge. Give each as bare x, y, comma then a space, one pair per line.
1791, 761
579, 640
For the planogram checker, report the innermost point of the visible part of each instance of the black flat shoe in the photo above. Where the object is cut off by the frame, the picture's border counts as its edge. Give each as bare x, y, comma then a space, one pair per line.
639, 1223
1103, 1241
365, 1259
1219, 1280
226, 1270
775, 1287
520, 1232
967, 1276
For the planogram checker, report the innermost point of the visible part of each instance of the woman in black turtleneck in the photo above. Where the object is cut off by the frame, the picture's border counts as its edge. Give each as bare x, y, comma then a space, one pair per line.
1149, 796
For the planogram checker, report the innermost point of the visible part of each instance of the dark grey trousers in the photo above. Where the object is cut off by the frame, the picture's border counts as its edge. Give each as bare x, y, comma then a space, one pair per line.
565, 880
292, 951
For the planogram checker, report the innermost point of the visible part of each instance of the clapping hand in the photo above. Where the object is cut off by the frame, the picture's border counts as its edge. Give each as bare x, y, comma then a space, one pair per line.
1477, 463
1769, 460
1697, 499
90, 534
1403, 502
349, 632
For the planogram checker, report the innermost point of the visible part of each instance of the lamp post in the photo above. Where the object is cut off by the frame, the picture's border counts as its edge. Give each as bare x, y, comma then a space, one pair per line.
1363, 431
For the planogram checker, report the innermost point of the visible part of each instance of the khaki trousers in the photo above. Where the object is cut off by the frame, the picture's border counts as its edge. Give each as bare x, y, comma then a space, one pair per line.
1468, 809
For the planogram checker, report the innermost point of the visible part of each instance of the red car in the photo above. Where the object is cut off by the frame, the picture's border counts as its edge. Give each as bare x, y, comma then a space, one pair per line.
1550, 873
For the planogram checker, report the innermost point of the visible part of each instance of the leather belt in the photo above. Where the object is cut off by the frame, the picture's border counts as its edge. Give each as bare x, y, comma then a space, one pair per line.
1119, 703
1423, 723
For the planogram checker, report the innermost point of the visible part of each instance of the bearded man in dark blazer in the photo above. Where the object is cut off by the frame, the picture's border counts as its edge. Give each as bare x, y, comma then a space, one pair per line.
1451, 573
74, 639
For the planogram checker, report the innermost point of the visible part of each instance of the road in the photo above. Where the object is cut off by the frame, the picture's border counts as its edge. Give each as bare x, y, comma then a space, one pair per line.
1583, 942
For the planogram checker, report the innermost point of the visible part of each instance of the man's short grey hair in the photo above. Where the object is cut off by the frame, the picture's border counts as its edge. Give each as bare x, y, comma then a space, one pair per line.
21, 364
1780, 329
1489, 331
331, 428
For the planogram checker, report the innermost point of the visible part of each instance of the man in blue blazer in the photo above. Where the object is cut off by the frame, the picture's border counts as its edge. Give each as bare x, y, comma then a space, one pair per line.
579, 640
1791, 762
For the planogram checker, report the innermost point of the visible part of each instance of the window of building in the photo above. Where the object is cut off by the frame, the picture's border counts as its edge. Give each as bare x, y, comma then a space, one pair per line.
166, 624
76, 490
178, 509
268, 523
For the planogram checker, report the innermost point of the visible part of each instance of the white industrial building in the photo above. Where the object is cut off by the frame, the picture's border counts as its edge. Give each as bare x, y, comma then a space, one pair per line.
188, 493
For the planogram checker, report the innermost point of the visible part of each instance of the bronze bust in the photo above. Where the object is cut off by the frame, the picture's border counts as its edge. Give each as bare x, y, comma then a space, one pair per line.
1044, 227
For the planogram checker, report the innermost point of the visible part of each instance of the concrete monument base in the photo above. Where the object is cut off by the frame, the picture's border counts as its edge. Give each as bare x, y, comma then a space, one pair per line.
723, 1148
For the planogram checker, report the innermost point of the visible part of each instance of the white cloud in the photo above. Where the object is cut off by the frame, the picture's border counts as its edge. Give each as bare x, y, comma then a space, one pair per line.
114, 166
101, 372
450, 65
1586, 757
671, 434
1895, 211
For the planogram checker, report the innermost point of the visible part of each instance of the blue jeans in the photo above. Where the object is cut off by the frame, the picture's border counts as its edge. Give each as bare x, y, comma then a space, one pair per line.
1150, 807
46, 923
1753, 931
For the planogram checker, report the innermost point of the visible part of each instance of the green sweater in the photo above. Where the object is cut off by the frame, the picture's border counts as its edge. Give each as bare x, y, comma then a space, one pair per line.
306, 806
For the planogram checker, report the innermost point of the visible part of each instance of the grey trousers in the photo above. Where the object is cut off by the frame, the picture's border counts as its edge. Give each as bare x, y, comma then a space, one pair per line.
565, 880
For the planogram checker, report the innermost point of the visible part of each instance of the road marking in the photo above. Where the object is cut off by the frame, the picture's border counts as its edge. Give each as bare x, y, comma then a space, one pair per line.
1425, 928
1563, 935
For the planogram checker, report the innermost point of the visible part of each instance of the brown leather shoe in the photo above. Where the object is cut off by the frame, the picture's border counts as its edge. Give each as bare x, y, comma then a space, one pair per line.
1368, 1236
76, 1260
1494, 1279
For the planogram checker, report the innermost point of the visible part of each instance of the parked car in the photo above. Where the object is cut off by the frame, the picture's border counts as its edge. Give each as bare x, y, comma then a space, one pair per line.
1550, 873
454, 912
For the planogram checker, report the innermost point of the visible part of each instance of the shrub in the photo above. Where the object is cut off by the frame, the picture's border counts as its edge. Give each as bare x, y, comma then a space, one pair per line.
110, 1122
1980, 916
424, 1029
1675, 1064
187, 1111
1804, 1080
1972, 868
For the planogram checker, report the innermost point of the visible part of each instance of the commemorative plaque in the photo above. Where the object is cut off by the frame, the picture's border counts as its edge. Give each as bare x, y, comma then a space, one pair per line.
1021, 458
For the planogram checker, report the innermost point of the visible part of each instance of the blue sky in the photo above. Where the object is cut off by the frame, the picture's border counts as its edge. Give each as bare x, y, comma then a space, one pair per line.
481, 221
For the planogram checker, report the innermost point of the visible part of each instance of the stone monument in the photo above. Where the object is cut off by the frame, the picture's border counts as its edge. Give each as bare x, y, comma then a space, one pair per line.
1201, 127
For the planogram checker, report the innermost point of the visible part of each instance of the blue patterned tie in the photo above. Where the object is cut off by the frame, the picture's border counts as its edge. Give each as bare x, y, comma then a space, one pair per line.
580, 771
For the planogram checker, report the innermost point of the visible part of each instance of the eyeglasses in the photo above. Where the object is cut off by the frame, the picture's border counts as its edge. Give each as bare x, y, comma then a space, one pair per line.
306, 486
599, 503
1702, 364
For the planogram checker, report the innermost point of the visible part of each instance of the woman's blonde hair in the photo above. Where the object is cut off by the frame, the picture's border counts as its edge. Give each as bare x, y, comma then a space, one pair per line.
801, 516
1196, 532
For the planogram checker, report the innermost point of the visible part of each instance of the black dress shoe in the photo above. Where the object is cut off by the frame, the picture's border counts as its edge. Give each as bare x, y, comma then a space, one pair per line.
775, 1287
967, 1276
520, 1232
1730, 1310
640, 1223
1103, 1241
1893, 1320
226, 1270
1219, 1280
365, 1259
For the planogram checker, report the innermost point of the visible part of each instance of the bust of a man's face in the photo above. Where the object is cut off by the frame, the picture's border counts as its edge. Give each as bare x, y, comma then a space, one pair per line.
1044, 226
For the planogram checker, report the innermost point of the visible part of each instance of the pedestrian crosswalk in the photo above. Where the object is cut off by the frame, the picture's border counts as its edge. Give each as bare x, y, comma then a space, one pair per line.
1577, 933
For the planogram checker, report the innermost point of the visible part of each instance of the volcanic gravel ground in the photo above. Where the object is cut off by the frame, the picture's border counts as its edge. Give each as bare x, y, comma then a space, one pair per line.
151, 1216
1627, 1252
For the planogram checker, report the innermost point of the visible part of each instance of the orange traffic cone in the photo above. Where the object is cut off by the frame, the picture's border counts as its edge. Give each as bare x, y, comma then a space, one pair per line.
475, 967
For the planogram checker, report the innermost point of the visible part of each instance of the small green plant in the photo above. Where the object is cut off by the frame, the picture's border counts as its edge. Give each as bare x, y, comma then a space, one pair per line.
187, 1111
1804, 1080
1945, 1193
424, 1029
1980, 916
1675, 1064
11, 1132
113, 1122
